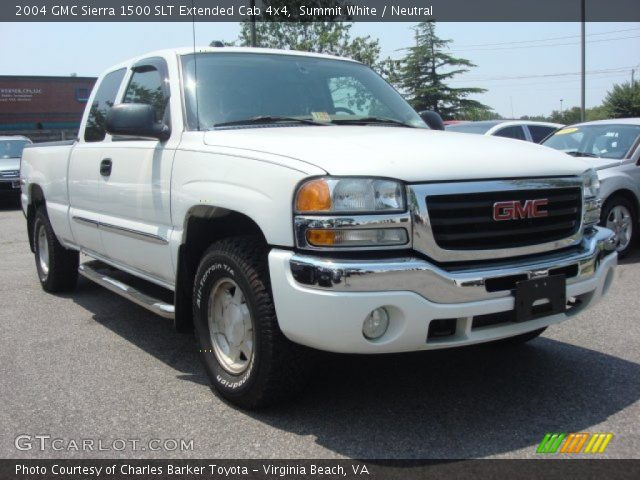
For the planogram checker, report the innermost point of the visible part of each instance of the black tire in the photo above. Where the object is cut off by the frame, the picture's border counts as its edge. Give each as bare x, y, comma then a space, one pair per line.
520, 339
274, 369
609, 205
62, 272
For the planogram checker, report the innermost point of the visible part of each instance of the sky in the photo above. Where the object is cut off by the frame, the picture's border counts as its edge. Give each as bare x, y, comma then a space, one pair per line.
527, 68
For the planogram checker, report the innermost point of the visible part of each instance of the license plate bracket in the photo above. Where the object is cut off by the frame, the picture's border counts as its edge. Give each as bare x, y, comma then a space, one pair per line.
540, 297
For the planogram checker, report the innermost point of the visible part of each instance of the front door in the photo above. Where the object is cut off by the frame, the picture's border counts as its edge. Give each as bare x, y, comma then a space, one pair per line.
136, 220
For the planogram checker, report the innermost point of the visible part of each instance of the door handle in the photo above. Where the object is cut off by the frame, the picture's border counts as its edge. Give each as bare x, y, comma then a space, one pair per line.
105, 167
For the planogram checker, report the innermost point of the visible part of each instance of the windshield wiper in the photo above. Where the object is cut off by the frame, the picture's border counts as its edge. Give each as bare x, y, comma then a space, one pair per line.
266, 119
582, 154
370, 120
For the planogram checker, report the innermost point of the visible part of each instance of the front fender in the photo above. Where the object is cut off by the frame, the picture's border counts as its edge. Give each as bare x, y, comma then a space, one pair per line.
614, 180
260, 190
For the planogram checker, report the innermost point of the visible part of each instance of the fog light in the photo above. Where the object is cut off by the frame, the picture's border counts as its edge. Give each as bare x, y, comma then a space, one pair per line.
376, 324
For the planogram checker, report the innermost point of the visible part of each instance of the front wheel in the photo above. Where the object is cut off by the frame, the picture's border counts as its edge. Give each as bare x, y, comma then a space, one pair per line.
247, 358
619, 215
57, 266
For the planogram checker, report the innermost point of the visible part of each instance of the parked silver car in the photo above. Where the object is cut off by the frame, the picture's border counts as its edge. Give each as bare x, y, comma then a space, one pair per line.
519, 129
10, 153
612, 147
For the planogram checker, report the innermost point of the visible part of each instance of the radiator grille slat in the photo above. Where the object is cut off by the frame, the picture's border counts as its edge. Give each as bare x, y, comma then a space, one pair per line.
465, 221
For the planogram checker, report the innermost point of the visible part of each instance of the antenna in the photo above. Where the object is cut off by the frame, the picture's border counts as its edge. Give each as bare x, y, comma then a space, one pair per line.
195, 63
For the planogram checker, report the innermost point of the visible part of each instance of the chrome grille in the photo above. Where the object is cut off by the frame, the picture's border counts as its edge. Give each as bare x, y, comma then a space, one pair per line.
465, 221
453, 221
10, 174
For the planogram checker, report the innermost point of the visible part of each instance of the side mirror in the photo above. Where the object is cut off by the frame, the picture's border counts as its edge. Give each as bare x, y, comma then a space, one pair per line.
433, 119
135, 120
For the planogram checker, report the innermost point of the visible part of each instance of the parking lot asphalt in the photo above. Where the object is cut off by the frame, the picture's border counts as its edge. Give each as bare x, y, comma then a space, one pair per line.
91, 365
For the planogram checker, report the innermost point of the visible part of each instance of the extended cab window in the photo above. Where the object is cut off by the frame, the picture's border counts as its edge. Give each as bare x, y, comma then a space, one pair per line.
103, 101
147, 86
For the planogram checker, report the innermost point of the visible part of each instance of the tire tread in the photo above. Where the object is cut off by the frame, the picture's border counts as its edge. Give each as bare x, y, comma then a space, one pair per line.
285, 360
63, 263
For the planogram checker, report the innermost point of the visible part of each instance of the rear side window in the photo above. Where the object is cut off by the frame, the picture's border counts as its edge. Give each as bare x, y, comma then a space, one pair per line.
105, 98
511, 132
539, 132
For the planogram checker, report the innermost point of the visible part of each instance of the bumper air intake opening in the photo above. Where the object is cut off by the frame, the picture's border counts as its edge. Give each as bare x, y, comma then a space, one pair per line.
442, 328
491, 319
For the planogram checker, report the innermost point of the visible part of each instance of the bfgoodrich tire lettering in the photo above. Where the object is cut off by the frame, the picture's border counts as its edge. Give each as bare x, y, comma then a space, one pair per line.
272, 371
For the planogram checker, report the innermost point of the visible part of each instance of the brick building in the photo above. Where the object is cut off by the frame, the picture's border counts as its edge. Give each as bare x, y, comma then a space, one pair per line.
43, 108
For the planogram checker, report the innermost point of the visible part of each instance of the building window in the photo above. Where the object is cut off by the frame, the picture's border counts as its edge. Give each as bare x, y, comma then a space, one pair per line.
82, 94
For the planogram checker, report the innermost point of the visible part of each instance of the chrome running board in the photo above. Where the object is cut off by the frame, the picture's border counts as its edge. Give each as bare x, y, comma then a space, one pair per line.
152, 304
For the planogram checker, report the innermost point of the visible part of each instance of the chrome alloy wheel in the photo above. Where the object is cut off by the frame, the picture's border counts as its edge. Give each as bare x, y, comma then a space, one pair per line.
619, 220
43, 250
230, 326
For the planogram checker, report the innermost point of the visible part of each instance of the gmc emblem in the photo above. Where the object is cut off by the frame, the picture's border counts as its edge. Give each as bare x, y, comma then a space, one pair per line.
514, 210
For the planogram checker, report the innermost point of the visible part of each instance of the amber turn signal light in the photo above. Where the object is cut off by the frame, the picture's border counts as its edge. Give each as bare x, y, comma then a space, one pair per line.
321, 238
314, 196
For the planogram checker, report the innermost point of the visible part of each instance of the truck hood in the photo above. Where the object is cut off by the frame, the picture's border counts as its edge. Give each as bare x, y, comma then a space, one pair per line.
9, 164
412, 155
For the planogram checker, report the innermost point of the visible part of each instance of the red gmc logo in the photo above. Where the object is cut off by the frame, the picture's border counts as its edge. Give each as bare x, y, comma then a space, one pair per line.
514, 210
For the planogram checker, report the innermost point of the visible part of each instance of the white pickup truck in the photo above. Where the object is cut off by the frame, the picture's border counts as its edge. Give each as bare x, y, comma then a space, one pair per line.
283, 200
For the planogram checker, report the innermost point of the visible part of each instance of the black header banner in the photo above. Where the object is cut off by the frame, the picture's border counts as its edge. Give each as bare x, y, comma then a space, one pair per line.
317, 469
318, 10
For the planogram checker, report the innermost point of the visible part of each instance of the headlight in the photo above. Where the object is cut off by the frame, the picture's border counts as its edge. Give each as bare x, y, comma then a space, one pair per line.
592, 204
590, 183
350, 195
349, 212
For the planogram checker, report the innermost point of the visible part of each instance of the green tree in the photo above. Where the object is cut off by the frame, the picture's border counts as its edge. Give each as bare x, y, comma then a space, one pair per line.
424, 73
477, 114
333, 38
536, 118
597, 113
567, 116
623, 100
572, 115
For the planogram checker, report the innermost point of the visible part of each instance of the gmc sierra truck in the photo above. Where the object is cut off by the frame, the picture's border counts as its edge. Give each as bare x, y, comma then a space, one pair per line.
275, 201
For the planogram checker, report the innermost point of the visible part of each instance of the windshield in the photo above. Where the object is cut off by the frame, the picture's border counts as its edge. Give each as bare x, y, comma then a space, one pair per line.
233, 87
480, 129
603, 141
12, 148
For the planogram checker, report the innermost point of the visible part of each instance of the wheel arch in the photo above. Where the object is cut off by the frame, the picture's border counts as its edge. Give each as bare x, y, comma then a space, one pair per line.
203, 225
626, 194
35, 200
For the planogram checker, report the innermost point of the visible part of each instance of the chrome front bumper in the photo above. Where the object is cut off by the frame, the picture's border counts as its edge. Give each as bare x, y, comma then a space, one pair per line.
459, 285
